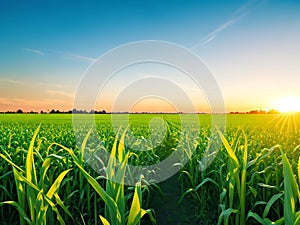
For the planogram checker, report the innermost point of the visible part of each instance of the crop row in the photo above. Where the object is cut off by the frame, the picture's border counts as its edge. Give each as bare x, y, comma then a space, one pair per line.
46, 177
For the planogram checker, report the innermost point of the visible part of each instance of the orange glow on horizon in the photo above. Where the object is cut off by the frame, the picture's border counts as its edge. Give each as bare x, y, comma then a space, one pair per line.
288, 104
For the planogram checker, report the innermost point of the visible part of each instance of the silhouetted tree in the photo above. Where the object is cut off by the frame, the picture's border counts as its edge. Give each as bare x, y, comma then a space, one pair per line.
19, 111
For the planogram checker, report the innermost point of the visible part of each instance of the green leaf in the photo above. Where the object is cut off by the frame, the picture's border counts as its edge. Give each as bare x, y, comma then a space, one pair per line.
257, 218
61, 204
291, 191
205, 181
135, 213
30, 174
270, 203
104, 221
299, 173
19, 208
229, 149
55, 186
29, 164
224, 216
84, 142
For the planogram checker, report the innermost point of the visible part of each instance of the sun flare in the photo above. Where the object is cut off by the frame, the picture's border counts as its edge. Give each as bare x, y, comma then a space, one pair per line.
288, 104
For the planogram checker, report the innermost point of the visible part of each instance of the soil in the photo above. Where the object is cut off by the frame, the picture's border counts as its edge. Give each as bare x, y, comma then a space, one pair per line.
166, 207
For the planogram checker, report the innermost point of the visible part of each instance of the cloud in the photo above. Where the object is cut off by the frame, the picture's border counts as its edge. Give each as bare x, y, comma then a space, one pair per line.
79, 57
11, 81
15, 101
209, 39
237, 16
38, 52
31, 83
33, 90
66, 55
60, 93
35, 96
44, 103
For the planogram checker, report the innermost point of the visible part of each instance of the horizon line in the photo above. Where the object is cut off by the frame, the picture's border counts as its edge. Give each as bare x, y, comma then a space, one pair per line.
82, 111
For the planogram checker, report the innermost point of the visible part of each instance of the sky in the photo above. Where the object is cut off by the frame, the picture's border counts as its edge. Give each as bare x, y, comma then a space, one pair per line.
46, 47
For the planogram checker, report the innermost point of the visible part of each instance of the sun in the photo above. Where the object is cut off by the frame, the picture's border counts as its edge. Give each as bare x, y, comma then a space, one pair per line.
288, 104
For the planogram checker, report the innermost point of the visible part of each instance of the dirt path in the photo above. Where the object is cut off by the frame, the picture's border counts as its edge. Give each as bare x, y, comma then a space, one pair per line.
166, 207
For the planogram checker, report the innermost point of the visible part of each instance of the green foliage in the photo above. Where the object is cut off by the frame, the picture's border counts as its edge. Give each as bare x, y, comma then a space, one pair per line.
33, 198
45, 177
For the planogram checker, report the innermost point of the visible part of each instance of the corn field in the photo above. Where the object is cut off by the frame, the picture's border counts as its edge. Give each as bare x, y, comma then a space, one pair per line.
46, 179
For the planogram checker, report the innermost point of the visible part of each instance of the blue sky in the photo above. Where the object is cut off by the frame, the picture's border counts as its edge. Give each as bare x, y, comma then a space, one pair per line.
251, 47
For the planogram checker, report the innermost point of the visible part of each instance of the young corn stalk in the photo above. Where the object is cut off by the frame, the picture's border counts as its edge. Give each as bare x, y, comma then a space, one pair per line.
236, 179
34, 197
291, 193
114, 195
291, 198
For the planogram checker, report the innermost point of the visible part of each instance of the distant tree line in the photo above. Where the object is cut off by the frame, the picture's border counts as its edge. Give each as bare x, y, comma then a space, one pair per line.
76, 111
271, 111
53, 111
19, 111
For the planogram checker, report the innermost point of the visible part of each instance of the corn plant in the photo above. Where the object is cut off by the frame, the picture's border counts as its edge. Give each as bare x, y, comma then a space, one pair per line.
291, 198
236, 176
114, 194
35, 197
42, 181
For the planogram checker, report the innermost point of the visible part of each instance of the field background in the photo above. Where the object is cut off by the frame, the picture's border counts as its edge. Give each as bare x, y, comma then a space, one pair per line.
254, 179
259, 121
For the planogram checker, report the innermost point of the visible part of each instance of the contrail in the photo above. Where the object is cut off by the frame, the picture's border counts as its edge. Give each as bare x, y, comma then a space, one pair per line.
34, 51
238, 15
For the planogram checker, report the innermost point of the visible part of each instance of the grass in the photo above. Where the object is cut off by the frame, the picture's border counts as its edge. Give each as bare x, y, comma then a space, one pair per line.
45, 179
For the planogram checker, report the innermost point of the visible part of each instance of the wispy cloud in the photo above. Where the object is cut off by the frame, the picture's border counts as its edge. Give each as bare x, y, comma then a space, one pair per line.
78, 57
44, 103
208, 38
60, 93
237, 16
18, 101
11, 81
64, 55
31, 83
31, 95
38, 52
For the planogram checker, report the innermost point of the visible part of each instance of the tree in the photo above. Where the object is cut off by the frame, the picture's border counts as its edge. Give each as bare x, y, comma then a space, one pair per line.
19, 111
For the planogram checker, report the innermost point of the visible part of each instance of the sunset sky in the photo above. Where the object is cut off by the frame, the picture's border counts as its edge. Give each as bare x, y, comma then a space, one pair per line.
252, 48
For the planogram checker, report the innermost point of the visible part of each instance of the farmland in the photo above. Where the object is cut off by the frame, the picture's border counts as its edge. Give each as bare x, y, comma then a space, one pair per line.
45, 177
